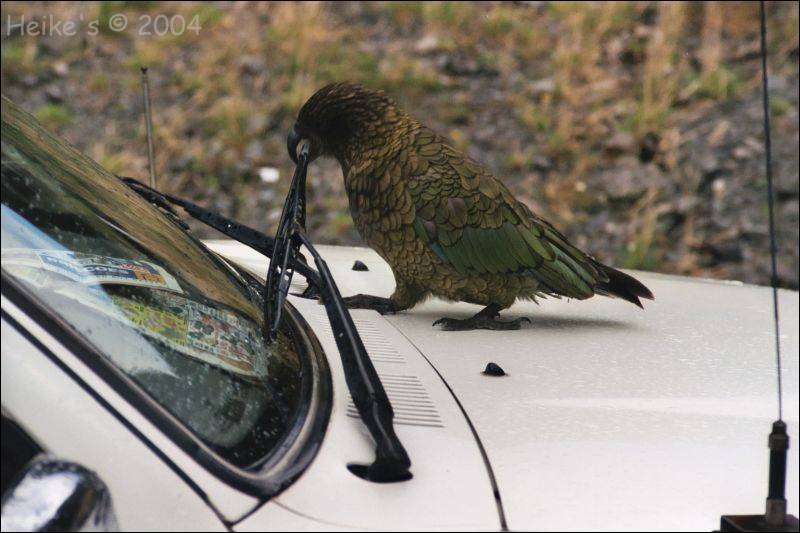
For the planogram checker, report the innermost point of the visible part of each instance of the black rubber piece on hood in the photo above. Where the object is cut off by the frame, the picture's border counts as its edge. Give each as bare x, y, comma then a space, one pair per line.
360, 266
493, 369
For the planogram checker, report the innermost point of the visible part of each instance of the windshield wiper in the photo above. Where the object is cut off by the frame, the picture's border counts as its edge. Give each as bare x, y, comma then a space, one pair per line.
253, 238
391, 459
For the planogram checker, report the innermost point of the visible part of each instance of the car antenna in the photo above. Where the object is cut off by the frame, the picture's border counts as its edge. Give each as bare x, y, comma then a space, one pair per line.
774, 517
148, 123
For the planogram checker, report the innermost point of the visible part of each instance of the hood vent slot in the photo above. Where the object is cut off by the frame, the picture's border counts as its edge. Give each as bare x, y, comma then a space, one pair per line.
378, 348
411, 402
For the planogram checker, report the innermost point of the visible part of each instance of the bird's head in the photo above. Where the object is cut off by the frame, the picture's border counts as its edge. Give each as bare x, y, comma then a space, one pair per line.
337, 117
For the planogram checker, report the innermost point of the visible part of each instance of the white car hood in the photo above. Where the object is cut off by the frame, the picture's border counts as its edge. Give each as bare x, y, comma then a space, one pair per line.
610, 417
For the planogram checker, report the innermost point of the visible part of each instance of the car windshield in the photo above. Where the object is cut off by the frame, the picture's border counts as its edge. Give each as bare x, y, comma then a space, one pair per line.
154, 301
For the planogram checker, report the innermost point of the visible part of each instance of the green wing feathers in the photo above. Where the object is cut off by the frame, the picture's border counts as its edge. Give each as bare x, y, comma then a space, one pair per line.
511, 249
473, 223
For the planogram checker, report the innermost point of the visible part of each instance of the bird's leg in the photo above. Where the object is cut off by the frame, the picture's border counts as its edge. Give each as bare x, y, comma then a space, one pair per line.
376, 303
405, 296
487, 318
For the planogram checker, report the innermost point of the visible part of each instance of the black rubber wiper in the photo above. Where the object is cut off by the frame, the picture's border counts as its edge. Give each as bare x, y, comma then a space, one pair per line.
391, 460
253, 238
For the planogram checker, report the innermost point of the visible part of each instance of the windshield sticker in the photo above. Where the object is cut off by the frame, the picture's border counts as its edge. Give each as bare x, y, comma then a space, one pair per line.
215, 336
91, 269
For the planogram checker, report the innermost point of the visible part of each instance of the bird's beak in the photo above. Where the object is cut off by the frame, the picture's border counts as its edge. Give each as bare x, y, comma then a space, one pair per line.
292, 140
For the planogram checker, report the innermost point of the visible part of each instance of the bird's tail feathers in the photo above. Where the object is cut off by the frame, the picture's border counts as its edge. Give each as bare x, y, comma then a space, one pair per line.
621, 285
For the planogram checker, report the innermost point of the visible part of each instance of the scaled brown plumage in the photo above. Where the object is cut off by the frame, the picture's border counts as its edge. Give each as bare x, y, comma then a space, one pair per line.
446, 226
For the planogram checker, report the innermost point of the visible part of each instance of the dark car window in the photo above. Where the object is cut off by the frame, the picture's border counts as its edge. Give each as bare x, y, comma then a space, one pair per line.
165, 311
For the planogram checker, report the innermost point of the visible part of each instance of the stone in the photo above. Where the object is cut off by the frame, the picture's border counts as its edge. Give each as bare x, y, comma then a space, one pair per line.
493, 369
620, 142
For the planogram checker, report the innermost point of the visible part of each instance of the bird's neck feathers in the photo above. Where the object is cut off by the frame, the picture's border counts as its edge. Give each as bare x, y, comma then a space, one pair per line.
373, 138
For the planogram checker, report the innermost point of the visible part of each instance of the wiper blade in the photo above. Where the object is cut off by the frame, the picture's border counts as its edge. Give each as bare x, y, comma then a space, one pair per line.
253, 238
391, 460
286, 249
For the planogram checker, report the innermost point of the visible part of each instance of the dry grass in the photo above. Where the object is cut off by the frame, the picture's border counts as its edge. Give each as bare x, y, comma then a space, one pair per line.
555, 80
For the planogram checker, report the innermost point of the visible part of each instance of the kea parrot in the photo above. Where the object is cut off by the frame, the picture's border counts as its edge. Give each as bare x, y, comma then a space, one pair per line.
444, 224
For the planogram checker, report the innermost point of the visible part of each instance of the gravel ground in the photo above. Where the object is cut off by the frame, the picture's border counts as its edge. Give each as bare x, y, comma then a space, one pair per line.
629, 142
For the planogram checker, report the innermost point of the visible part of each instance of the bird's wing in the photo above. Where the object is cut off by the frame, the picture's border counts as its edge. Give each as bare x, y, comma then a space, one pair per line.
473, 223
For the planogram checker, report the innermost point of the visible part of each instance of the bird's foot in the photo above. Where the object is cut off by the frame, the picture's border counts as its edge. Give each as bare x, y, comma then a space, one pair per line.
488, 318
454, 324
384, 306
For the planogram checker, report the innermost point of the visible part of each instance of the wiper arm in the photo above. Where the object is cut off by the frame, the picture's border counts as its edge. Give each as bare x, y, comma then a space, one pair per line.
244, 234
391, 460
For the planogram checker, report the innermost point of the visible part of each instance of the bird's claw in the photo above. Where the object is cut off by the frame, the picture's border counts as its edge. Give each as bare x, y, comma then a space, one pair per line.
480, 322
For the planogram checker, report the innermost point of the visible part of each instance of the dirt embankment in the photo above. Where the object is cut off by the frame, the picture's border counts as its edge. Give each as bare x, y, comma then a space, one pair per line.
634, 126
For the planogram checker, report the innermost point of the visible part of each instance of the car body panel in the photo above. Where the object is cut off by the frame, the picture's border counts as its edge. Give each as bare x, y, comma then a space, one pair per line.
70, 424
450, 488
231, 503
610, 417
605, 405
275, 517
